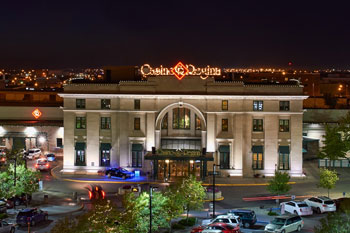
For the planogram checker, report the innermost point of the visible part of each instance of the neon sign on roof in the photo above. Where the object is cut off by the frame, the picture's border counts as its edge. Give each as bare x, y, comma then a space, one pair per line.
180, 71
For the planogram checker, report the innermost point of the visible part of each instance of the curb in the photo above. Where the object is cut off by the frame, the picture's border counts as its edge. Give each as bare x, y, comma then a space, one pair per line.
69, 212
218, 199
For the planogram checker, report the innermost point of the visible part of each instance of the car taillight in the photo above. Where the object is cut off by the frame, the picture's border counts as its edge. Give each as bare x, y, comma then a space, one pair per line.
90, 195
36, 165
324, 205
103, 194
47, 165
302, 222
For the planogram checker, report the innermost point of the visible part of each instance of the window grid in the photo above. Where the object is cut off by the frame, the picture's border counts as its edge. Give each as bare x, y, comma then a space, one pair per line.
80, 122
258, 125
80, 103
105, 104
165, 122
224, 105
198, 122
137, 125
284, 125
105, 123
181, 118
284, 105
80, 158
258, 105
258, 161
137, 104
283, 161
136, 158
224, 126
224, 160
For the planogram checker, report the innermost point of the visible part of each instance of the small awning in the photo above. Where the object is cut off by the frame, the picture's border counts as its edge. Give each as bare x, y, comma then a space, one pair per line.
283, 149
258, 149
80, 146
106, 146
224, 149
306, 139
137, 147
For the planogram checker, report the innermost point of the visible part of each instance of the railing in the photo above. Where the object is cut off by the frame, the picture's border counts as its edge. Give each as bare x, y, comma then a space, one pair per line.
334, 163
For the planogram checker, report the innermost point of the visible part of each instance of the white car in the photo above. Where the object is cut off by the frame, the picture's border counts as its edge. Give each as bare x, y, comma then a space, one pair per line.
285, 224
296, 207
228, 219
7, 227
34, 153
42, 164
321, 204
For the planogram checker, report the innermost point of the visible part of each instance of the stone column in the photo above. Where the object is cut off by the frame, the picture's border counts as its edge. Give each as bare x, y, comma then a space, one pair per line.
115, 159
68, 149
271, 143
296, 155
150, 134
237, 150
92, 141
158, 135
204, 139
246, 121
211, 132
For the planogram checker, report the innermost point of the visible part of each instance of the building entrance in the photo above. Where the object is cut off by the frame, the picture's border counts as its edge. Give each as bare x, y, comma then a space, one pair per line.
168, 169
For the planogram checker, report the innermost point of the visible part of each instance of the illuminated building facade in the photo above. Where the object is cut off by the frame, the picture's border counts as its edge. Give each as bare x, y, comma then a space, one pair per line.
168, 126
31, 119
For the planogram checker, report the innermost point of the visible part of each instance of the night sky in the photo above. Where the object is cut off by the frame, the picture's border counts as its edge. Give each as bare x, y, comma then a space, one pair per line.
79, 34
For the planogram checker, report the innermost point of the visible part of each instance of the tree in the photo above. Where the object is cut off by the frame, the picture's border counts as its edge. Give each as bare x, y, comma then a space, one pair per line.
27, 180
190, 193
335, 146
136, 216
279, 184
335, 223
328, 179
7, 188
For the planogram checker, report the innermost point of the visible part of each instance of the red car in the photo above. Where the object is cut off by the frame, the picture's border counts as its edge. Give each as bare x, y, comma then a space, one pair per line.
225, 228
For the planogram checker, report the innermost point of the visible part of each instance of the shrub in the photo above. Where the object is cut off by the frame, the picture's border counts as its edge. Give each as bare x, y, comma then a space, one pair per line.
188, 222
177, 226
3, 216
270, 213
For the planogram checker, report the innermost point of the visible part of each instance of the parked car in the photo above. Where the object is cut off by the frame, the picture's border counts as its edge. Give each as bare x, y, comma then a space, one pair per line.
34, 153
296, 207
42, 164
32, 216
23, 199
227, 218
248, 217
96, 192
50, 157
119, 172
222, 227
6, 227
285, 224
321, 204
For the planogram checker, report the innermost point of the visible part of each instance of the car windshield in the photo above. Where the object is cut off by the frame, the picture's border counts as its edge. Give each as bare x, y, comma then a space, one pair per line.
303, 205
278, 221
50, 155
329, 202
123, 170
31, 151
28, 213
42, 161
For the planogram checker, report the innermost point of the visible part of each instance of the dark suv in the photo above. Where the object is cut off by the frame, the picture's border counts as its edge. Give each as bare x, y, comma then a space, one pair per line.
248, 217
31, 216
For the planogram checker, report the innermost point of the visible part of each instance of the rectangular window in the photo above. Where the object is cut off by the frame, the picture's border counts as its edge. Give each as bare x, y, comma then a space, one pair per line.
80, 122
105, 152
284, 105
105, 104
258, 125
284, 125
224, 126
224, 105
165, 121
224, 157
3, 142
59, 142
80, 103
258, 105
105, 123
80, 154
137, 125
198, 122
258, 157
137, 104
181, 118
283, 161
136, 155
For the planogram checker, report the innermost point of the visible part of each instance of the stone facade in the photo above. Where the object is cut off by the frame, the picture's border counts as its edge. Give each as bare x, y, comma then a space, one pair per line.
220, 130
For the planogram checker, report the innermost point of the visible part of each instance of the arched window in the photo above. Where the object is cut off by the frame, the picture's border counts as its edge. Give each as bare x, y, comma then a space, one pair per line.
181, 118
165, 122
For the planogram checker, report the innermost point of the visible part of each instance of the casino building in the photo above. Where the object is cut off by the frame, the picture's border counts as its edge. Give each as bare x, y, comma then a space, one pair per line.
183, 120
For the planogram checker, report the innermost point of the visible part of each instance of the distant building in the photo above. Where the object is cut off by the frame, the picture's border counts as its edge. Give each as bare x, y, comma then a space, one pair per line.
169, 127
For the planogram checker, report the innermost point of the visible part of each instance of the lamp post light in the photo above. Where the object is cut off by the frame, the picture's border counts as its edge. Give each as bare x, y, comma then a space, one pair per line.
214, 173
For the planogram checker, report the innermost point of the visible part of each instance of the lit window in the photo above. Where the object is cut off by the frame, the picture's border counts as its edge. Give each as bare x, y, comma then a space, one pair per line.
80, 122
105, 122
258, 105
284, 105
80, 103
224, 105
258, 158
137, 104
105, 104
181, 118
258, 125
59, 142
283, 158
165, 122
224, 126
284, 125
137, 125
198, 123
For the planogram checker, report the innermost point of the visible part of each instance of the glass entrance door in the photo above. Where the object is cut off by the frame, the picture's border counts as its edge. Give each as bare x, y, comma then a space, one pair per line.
168, 169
